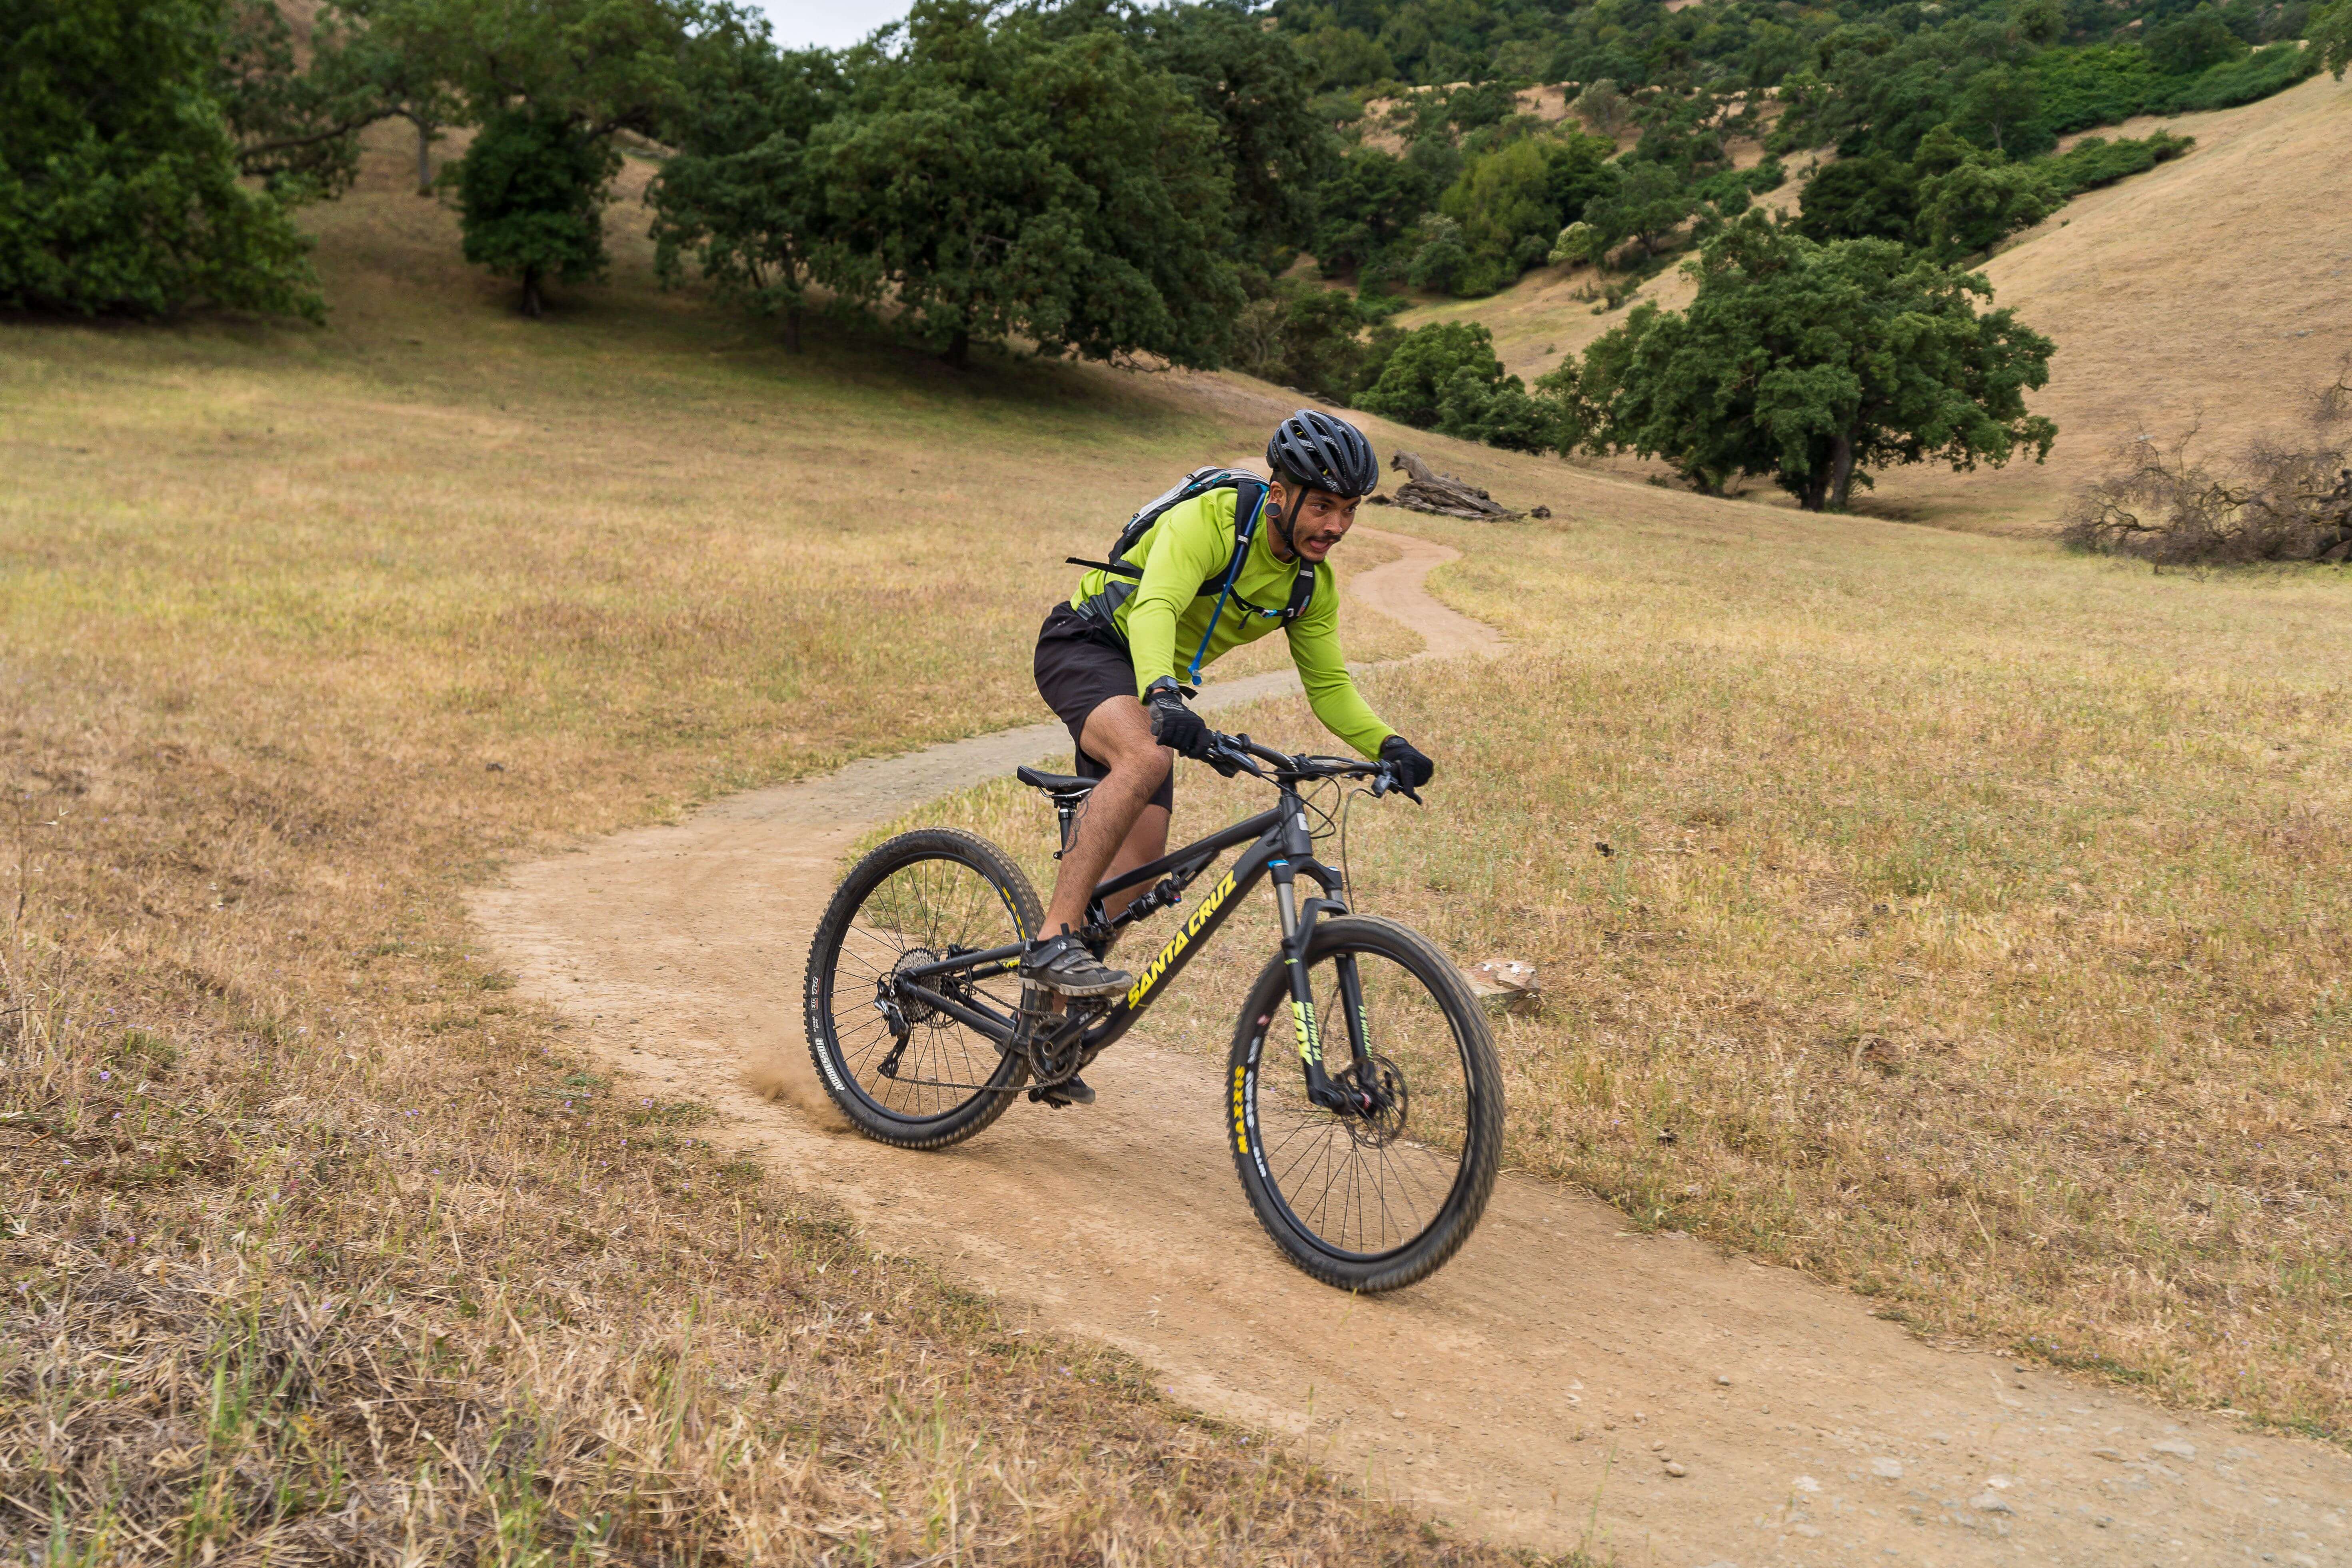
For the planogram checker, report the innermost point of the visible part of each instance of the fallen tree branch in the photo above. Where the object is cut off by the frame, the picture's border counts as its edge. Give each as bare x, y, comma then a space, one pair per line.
1443, 495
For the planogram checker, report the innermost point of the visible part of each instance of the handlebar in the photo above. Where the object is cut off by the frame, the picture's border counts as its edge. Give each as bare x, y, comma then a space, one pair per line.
1231, 754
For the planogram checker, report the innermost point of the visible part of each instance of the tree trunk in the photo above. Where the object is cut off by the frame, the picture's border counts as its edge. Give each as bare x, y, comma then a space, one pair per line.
792, 328
424, 157
959, 353
1841, 471
530, 306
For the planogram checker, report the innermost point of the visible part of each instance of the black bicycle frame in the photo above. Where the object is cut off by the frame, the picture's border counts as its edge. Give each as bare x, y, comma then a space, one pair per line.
1280, 846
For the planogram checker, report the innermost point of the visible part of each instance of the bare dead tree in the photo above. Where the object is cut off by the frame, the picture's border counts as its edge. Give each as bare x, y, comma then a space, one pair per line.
2276, 501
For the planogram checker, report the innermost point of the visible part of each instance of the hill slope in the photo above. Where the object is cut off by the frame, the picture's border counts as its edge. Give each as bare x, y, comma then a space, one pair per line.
2221, 281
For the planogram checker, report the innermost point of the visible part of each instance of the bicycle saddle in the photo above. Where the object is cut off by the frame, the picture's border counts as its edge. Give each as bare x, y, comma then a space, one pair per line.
1059, 785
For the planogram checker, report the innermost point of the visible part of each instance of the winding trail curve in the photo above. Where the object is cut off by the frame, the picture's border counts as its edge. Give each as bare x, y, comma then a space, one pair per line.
1530, 1390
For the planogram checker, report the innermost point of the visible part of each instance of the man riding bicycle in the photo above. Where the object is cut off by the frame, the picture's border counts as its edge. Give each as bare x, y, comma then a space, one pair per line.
1213, 576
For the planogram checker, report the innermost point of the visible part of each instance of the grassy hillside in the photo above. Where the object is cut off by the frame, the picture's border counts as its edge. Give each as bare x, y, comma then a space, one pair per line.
320, 1246
1945, 916
2214, 286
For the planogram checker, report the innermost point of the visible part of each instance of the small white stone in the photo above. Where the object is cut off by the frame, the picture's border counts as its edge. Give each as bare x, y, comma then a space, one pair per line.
1672, 1468
1806, 1484
1991, 1502
2178, 1448
1886, 1469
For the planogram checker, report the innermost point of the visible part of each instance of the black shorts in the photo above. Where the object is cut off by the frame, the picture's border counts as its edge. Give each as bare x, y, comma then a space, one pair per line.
1079, 668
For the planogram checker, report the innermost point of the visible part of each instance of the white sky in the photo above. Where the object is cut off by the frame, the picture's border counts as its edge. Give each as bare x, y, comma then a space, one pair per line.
828, 23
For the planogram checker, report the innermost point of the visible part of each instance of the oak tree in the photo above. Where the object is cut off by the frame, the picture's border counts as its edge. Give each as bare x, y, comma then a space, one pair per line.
1815, 363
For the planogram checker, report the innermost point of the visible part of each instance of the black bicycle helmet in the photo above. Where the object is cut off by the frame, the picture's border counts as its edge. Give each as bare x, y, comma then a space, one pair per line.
1312, 450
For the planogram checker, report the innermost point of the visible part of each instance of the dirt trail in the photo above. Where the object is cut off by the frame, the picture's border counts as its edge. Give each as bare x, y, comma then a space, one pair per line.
1532, 1391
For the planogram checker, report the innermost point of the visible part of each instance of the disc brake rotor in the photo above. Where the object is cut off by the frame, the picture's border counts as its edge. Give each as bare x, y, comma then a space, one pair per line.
1382, 1081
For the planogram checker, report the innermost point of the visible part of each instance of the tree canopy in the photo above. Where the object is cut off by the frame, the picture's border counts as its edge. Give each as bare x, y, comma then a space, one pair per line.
531, 199
1815, 363
119, 177
995, 181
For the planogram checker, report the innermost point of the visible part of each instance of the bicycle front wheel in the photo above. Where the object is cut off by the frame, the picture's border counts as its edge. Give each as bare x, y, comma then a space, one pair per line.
905, 1074
1367, 1201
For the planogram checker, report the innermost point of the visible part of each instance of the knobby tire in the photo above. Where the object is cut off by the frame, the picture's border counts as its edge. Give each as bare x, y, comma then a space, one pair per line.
843, 971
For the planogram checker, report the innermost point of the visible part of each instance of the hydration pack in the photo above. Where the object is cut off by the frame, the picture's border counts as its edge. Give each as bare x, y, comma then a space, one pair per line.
1249, 508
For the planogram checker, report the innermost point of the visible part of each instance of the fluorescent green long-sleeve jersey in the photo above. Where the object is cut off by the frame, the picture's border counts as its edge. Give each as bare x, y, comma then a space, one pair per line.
1163, 616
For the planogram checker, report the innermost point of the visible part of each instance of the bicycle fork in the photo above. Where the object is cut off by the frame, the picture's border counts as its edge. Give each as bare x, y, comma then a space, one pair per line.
1320, 1088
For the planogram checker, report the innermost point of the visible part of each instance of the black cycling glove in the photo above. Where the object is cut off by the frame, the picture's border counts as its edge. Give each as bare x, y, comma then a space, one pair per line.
1175, 726
1410, 766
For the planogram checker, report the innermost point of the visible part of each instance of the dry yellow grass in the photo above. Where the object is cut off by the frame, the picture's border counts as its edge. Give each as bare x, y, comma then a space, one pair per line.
1969, 930
320, 1247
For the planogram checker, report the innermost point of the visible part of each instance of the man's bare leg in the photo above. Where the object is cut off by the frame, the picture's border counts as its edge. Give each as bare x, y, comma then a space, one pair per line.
1118, 825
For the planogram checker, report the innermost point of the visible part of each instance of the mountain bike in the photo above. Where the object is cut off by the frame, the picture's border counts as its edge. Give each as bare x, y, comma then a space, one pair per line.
1369, 1168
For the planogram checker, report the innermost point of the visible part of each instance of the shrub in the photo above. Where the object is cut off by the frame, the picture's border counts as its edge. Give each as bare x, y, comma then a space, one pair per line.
1577, 244
2103, 84
1317, 339
2274, 503
2259, 75
2094, 160
1423, 369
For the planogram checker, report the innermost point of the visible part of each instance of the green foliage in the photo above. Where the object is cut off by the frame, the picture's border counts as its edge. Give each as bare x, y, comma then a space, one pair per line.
1576, 246
2331, 39
1317, 339
1412, 385
990, 179
1649, 203
1814, 364
1873, 196
1955, 199
1445, 377
2247, 80
2101, 85
1368, 208
1500, 199
2188, 44
1604, 108
1341, 57
1249, 82
1969, 201
1578, 170
737, 196
1441, 259
531, 199
2094, 160
119, 190
599, 65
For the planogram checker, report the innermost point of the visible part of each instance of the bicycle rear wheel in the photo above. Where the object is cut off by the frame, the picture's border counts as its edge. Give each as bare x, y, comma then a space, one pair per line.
914, 1077
1367, 1202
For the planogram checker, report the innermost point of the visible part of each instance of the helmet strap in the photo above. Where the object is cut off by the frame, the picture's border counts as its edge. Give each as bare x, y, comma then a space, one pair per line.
1286, 518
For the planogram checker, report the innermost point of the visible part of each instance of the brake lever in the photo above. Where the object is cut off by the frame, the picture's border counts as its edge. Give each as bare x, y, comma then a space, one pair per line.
1228, 761
1387, 780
